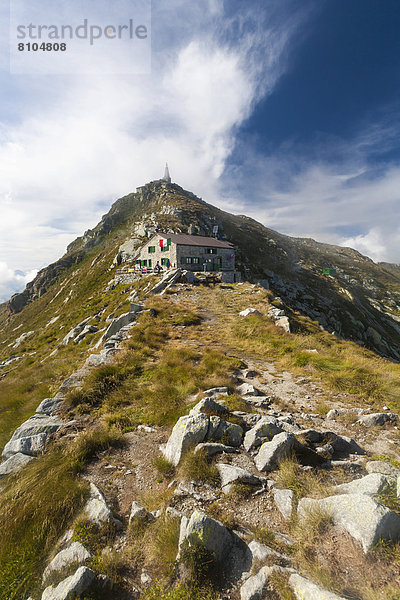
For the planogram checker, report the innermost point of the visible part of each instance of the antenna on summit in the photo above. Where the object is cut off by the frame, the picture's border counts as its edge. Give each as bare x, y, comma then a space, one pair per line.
167, 176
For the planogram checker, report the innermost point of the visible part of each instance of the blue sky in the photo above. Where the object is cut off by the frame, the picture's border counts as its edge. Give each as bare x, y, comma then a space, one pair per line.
285, 110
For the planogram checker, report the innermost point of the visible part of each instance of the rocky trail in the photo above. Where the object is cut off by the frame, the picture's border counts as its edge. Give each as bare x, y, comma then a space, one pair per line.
249, 514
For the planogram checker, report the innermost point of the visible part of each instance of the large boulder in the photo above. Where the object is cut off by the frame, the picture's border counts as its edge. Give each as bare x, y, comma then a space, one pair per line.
264, 430
207, 532
378, 419
361, 516
168, 279
49, 406
37, 424
118, 323
383, 467
75, 331
230, 433
75, 553
271, 453
230, 474
307, 590
372, 485
284, 502
32, 446
15, 463
208, 406
187, 433
72, 586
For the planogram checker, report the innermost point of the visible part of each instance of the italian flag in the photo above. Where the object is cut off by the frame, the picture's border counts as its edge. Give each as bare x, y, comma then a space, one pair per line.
165, 243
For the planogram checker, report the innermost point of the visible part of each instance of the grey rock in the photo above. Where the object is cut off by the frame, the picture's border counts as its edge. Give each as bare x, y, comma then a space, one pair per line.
72, 586
187, 433
306, 590
230, 433
261, 552
311, 436
15, 463
230, 474
205, 531
284, 323
342, 445
258, 401
284, 501
118, 323
265, 429
49, 406
208, 406
249, 419
74, 380
86, 330
37, 424
22, 338
75, 331
216, 391
169, 278
361, 516
32, 446
380, 466
75, 553
378, 419
249, 312
248, 389
372, 485
138, 513
96, 509
255, 587
212, 448
97, 360
271, 453
334, 413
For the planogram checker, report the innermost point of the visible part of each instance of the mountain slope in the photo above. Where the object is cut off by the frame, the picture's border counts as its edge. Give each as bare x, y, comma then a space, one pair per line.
359, 300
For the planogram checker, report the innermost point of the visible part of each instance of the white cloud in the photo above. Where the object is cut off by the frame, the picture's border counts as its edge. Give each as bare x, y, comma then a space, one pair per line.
90, 140
12, 281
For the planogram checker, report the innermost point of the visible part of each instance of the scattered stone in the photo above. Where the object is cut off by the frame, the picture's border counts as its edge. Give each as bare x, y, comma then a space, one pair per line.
22, 338
284, 323
205, 531
75, 553
378, 419
266, 429
381, 466
306, 590
261, 552
361, 516
96, 509
138, 513
169, 278
338, 412
258, 401
208, 406
86, 330
272, 452
216, 391
147, 429
342, 445
372, 485
187, 433
284, 502
49, 406
311, 436
230, 433
72, 586
230, 474
75, 331
15, 463
74, 380
254, 588
212, 448
249, 312
248, 389
117, 324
